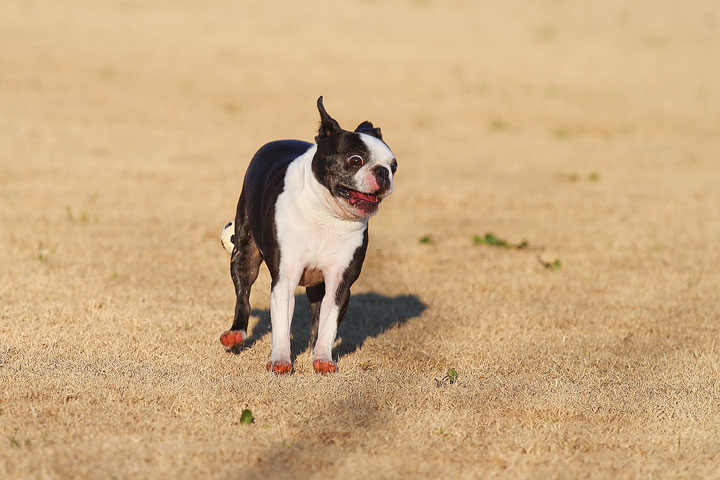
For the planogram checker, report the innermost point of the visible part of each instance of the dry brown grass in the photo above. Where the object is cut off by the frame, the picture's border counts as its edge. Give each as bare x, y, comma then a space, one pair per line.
125, 128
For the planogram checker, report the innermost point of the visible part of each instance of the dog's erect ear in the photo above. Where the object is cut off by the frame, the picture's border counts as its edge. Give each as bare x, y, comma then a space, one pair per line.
367, 128
328, 126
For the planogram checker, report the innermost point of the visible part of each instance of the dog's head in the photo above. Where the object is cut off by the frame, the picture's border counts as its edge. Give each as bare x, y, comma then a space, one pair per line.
356, 167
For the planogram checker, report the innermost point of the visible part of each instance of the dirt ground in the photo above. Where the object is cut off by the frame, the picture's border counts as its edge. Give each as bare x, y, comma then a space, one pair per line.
591, 130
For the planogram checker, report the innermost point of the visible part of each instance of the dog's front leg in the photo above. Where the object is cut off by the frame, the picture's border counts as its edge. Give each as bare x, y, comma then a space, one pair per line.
332, 309
282, 305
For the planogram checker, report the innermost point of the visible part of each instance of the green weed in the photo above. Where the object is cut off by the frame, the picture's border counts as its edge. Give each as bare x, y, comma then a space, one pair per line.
15, 442
246, 418
43, 252
450, 377
494, 241
554, 265
425, 240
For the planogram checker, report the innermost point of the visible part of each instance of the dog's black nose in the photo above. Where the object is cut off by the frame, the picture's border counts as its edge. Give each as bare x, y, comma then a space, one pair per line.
382, 175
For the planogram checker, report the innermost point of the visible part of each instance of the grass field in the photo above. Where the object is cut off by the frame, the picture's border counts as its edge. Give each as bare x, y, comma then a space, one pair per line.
591, 130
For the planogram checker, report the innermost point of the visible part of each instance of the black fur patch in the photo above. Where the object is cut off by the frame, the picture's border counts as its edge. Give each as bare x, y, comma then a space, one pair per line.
367, 128
351, 273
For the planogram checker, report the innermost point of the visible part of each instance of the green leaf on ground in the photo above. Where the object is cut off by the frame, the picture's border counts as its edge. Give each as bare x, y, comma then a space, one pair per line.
246, 418
554, 265
494, 241
450, 377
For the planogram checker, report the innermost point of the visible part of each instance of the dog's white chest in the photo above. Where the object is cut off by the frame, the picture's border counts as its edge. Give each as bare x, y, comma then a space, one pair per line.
316, 250
319, 253
312, 242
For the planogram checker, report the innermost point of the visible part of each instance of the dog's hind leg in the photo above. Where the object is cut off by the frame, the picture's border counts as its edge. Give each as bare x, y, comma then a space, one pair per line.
244, 267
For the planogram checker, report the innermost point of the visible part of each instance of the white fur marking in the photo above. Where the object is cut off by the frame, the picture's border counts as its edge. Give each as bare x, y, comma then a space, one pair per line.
380, 155
327, 330
226, 236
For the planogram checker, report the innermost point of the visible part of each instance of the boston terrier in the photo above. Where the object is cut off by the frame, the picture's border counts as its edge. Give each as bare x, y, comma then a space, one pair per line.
304, 210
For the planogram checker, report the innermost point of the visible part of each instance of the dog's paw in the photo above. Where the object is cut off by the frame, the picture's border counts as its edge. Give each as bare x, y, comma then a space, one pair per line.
324, 366
233, 338
279, 367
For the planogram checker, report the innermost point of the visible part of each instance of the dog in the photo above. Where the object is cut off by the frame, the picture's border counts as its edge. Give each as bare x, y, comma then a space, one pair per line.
304, 210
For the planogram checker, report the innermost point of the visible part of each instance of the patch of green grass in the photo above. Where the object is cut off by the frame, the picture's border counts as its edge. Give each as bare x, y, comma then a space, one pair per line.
425, 240
450, 377
494, 241
554, 265
43, 252
246, 418
15, 442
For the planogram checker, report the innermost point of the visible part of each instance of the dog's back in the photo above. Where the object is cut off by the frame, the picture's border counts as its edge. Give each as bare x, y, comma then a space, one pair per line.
264, 181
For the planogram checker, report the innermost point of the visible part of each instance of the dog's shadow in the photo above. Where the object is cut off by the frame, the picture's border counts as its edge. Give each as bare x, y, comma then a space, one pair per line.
368, 315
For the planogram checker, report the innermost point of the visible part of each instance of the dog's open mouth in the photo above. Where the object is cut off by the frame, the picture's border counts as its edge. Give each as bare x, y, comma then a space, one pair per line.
355, 197
365, 204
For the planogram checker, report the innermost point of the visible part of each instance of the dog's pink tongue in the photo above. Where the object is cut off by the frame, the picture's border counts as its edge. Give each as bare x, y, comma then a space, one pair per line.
365, 196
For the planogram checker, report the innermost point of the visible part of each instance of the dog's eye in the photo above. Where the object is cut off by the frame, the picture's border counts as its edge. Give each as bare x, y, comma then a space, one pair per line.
355, 161
393, 166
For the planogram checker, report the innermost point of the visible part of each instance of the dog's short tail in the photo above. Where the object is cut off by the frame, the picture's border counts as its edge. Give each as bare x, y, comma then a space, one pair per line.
227, 237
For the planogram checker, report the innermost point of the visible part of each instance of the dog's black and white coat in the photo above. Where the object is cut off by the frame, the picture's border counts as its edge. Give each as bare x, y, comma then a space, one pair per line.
304, 210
